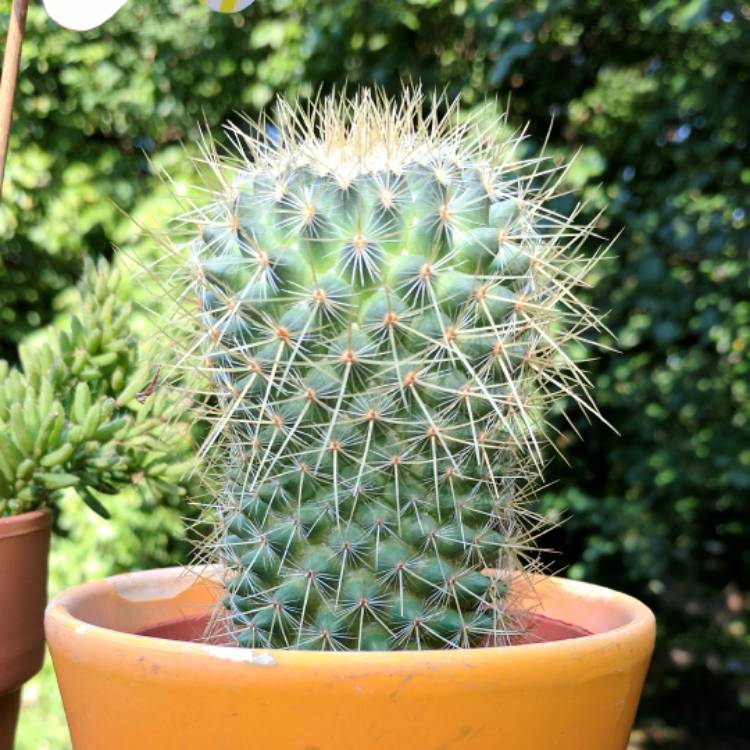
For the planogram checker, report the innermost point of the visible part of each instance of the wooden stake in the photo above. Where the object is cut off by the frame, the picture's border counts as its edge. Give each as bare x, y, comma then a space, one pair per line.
11, 63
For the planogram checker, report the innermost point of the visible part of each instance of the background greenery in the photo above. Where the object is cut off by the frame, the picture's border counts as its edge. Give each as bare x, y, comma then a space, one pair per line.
653, 92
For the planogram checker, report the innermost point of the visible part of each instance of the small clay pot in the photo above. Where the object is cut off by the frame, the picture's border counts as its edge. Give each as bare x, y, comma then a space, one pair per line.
24, 548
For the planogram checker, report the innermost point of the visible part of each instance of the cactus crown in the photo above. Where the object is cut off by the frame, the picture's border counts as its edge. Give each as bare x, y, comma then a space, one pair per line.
382, 302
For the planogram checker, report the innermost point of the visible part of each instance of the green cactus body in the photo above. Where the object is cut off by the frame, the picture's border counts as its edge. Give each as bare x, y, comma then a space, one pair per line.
382, 303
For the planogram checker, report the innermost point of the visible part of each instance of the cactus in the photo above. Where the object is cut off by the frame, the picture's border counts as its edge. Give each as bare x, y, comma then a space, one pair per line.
79, 414
382, 302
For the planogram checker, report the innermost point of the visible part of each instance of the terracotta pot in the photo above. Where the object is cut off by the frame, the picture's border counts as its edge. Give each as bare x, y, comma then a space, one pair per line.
24, 548
125, 690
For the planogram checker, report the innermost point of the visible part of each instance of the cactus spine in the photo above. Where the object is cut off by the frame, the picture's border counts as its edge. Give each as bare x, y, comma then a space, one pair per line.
384, 302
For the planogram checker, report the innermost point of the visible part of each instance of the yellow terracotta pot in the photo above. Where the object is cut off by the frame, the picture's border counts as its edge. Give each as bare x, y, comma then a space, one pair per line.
136, 692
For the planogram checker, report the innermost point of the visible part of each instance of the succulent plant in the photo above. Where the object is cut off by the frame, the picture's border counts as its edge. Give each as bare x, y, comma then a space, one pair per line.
382, 301
80, 412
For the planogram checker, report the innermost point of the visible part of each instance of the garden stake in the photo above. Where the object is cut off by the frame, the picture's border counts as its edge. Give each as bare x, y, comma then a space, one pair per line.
11, 61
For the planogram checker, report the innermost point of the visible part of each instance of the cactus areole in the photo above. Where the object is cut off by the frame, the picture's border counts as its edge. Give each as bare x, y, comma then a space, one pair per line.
382, 298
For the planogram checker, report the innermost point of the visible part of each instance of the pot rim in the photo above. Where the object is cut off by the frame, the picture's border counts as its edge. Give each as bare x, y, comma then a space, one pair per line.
163, 583
25, 523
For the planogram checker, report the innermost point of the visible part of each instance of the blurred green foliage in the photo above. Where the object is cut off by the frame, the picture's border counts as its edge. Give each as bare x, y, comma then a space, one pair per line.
654, 93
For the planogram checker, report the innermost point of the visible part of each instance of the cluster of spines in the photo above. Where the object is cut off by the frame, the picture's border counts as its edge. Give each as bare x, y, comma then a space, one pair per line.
384, 303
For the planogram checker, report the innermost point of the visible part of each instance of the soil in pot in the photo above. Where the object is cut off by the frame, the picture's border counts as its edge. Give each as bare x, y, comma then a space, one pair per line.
541, 629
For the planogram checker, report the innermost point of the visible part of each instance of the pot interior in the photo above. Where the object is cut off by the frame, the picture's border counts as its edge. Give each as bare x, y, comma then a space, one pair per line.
541, 629
177, 604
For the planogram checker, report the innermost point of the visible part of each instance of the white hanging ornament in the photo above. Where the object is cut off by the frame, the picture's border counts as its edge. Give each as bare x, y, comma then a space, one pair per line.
82, 15
227, 6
